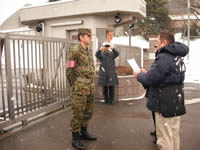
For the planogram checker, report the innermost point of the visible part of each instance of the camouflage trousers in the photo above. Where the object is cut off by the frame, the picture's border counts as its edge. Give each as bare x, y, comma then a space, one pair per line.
82, 107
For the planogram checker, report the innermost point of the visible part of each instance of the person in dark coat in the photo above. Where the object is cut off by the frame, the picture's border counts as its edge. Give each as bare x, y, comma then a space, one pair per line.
107, 71
164, 74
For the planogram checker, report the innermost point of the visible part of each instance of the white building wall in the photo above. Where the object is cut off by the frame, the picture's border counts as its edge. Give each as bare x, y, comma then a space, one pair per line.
93, 22
83, 7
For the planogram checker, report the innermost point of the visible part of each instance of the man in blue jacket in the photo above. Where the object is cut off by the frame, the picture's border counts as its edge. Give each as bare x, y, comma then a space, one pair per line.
164, 84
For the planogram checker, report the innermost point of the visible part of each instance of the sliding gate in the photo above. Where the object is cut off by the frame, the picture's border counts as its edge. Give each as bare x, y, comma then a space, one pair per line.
32, 77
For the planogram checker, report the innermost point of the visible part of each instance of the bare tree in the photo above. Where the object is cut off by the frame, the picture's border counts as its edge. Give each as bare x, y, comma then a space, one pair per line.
195, 9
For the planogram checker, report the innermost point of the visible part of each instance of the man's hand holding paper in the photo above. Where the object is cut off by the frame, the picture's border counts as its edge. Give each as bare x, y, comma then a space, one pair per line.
133, 64
135, 67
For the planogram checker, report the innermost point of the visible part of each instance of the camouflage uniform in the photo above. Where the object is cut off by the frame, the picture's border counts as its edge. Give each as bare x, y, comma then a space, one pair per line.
81, 78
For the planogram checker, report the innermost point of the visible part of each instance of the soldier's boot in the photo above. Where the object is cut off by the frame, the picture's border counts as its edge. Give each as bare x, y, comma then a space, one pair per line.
76, 141
84, 135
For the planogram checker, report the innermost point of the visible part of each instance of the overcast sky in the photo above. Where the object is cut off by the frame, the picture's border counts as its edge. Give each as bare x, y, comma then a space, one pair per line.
9, 7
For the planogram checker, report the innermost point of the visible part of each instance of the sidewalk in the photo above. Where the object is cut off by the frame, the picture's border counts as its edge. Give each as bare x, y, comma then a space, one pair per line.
123, 126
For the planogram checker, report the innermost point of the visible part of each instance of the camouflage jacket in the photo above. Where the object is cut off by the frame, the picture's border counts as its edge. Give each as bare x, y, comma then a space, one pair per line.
83, 71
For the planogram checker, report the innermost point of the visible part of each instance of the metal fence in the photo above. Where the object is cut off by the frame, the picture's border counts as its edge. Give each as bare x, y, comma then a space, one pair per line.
32, 77
127, 52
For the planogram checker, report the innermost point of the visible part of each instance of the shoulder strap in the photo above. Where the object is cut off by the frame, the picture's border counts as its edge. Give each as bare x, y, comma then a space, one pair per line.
181, 68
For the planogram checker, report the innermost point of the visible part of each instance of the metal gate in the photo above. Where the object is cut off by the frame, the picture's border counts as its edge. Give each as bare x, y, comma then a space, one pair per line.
32, 77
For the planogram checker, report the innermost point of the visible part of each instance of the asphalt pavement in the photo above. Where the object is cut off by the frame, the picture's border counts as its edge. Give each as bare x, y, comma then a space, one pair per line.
123, 126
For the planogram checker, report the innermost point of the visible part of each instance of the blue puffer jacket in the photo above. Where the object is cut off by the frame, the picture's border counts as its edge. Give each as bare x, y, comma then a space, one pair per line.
162, 72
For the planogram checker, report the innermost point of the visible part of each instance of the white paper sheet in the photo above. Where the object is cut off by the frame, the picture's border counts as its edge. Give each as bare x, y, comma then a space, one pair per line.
133, 64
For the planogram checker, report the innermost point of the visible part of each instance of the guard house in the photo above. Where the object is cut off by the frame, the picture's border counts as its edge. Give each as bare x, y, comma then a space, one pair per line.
61, 19
32, 67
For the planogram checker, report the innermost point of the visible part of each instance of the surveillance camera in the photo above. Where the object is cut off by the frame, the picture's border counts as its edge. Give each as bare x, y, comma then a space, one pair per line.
39, 27
131, 26
117, 18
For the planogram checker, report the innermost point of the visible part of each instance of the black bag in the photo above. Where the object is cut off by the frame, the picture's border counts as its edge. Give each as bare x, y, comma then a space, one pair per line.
171, 101
171, 97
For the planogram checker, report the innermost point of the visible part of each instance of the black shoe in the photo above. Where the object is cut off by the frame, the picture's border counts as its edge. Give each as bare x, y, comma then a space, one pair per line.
84, 135
153, 133
155, 140
111, 101
106, 101
76, 141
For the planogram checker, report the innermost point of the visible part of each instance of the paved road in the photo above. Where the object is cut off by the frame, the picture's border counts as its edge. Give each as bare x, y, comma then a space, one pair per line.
122, 126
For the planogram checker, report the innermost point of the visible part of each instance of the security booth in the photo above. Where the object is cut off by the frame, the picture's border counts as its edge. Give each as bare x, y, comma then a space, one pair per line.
39, 60
34, 42
102, 18
62, 19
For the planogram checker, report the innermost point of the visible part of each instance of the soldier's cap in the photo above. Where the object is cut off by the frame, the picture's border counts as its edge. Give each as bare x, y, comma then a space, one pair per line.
82, 31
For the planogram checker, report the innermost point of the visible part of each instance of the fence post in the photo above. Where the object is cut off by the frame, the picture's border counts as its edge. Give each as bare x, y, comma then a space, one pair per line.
9, 84
63, 49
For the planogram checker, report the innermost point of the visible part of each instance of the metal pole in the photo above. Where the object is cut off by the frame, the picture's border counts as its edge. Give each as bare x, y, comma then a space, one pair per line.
9, 83
129, 37
188, 38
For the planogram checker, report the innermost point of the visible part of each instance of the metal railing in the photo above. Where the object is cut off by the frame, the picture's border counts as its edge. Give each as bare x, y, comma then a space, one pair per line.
32, 76
127, 52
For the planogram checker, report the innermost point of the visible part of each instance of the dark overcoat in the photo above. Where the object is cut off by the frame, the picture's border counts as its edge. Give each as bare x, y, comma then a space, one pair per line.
107, 70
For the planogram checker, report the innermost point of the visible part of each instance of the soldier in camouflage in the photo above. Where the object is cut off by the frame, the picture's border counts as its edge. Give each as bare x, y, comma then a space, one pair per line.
80, 74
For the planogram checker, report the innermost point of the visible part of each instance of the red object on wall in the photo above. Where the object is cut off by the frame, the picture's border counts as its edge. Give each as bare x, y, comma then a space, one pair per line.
110, 36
